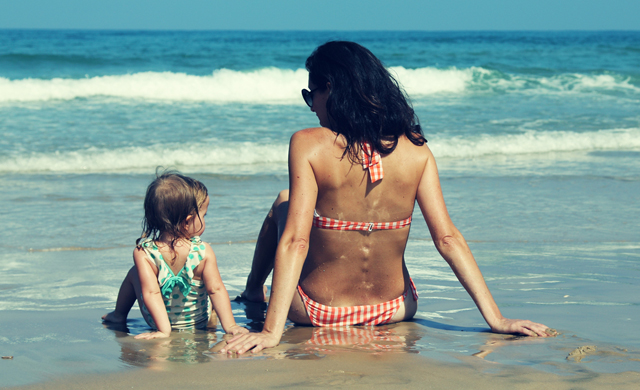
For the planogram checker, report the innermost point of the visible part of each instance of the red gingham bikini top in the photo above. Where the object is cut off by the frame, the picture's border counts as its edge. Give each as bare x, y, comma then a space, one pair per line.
370, 160
336, 224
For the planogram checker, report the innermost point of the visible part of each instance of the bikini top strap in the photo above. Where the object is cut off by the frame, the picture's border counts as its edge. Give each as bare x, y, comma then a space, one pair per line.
336, 224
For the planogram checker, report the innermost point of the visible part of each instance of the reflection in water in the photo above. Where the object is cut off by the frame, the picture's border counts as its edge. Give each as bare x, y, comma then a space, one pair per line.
305, 342
183, 346
255, 312
309, 342
496, 341
298, 342
371, 339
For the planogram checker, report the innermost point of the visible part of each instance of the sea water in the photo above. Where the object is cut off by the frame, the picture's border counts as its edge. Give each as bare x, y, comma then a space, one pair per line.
536, 134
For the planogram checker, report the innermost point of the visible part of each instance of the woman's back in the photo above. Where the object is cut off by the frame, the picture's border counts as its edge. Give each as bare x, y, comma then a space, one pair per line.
328, 277
346, 268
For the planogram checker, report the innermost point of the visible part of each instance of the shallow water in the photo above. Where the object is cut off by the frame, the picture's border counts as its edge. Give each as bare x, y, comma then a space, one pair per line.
580, 279
537, 137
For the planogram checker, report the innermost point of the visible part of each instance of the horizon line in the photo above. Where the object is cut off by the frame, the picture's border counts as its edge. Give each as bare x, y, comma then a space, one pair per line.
306, 31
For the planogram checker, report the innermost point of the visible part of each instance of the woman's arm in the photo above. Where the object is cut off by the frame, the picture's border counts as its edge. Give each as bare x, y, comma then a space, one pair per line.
151, 296
292, 248
218, 293
454, 249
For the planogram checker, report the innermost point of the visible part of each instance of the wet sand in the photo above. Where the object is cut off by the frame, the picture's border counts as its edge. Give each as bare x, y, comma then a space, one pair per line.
353, 370
77, 352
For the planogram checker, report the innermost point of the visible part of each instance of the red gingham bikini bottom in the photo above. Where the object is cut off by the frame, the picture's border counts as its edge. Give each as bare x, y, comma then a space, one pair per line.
381, 313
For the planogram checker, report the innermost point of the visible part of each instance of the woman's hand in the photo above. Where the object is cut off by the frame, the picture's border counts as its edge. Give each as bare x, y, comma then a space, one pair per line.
237, 329
526, 327
152, 335
255, 342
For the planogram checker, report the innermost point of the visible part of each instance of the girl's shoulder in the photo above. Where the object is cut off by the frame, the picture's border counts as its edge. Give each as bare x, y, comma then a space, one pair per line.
147, 247
146, 242
197, 245
197, 253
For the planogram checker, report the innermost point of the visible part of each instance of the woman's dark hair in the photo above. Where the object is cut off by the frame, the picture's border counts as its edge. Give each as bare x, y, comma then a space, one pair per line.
365, 102
170, 199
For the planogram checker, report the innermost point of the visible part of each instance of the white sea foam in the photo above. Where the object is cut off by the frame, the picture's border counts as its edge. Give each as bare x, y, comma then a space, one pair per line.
428, 81
255, 157
282, 86
535, 142
270, 85
134, 159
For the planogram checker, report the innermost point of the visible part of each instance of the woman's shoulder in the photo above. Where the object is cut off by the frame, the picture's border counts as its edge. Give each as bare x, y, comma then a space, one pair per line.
408, 149
314, 138
313, 133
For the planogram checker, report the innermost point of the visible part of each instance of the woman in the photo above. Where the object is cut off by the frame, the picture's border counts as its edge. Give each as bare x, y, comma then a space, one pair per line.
336, 239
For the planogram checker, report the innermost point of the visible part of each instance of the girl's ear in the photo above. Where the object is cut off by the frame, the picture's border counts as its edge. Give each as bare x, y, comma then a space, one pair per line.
188, 220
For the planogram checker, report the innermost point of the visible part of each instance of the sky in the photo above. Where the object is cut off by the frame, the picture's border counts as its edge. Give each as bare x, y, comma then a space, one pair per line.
430, 15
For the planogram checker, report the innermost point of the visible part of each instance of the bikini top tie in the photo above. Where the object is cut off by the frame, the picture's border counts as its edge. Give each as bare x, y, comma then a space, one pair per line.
372, 161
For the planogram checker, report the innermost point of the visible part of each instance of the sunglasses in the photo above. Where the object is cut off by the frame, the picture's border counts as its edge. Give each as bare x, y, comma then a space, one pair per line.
308, 96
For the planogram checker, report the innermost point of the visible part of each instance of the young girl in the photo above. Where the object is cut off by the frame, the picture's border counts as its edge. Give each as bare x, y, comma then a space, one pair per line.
174, 270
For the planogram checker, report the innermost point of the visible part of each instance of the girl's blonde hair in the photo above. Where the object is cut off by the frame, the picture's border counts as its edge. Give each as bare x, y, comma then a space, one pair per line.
170, 199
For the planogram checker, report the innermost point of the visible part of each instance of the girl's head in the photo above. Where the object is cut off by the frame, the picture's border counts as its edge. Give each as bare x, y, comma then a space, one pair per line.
363, 102
174, 205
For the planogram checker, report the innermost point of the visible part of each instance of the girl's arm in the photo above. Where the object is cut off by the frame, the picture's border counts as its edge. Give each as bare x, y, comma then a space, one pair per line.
454, 249
218, 293
292, 248
151, 296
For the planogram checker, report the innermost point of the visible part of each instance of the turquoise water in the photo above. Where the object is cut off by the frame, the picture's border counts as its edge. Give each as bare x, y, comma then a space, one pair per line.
537, 137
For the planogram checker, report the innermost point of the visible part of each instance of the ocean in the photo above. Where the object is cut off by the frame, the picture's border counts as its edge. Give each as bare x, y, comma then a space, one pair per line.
536, 135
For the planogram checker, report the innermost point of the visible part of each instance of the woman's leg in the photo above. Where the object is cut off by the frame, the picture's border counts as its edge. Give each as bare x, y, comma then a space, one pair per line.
127, 296
265, 252
264, 259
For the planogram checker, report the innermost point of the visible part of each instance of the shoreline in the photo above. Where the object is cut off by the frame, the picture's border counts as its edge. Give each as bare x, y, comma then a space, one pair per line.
353, 370
72, 349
